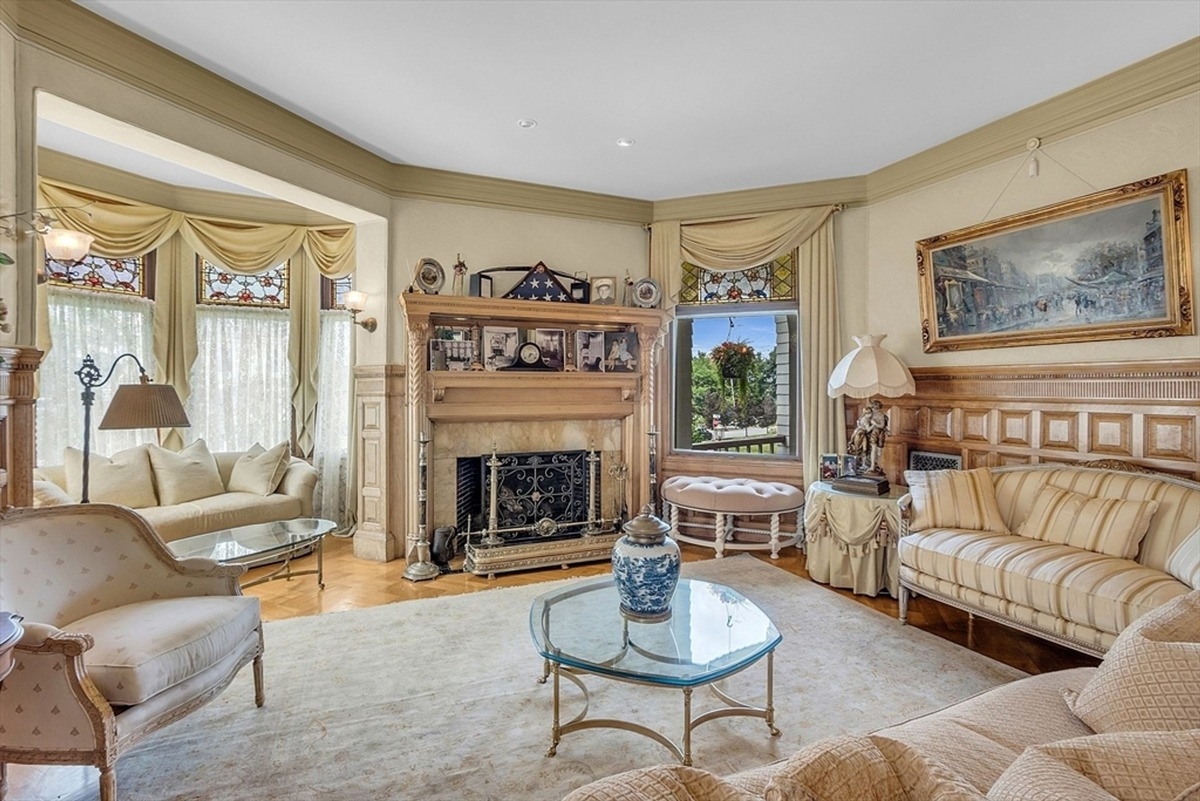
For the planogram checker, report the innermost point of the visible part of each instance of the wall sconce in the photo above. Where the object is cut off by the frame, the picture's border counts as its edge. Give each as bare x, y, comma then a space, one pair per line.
61, 244
356, 302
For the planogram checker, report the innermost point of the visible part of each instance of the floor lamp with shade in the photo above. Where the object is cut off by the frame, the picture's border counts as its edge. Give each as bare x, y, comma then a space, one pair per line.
867, 371
140, 405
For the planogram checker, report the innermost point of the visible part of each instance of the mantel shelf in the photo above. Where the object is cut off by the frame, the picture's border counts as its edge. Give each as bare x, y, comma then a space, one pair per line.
452, 308
527, 395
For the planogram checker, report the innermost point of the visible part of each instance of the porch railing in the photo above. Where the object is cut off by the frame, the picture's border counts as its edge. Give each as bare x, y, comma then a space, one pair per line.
769, 444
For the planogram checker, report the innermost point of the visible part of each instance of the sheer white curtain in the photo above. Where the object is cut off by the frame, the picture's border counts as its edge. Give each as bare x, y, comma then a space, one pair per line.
331, 449
105, 325
241, 381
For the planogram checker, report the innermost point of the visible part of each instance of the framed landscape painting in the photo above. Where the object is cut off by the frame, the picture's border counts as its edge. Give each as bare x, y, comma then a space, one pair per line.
1116, 264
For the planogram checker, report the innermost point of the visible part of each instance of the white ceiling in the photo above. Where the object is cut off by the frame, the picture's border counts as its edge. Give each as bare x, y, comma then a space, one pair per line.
718, 95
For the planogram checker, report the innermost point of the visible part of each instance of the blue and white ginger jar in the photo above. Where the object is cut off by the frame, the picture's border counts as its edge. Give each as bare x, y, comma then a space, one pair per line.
645, 565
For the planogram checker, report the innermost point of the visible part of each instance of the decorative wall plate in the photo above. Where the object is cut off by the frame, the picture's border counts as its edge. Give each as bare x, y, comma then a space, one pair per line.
430, 276
646, 293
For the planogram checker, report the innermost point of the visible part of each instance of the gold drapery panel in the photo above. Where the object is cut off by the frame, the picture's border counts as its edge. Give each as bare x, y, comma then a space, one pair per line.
820, 349
125, 228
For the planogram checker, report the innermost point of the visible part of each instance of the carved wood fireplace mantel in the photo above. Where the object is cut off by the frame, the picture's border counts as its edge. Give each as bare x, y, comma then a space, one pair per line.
466, 413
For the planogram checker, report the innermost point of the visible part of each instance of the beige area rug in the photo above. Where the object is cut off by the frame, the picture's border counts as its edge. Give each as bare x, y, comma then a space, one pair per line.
438, 699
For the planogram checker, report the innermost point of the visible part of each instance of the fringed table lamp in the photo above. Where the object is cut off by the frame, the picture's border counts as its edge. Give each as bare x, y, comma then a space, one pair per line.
140, 405
868, 370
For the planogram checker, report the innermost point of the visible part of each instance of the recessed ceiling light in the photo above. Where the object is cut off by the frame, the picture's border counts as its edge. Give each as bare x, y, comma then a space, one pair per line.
526, 123
626, 142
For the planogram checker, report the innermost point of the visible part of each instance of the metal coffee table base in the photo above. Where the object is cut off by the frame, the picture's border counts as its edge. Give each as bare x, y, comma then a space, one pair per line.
284, 571
733, 708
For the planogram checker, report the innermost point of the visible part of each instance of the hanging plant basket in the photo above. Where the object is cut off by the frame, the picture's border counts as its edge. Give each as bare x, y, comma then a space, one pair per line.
734, 359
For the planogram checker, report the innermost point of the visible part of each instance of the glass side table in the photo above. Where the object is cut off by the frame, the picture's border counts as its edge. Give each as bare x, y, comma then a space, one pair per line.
713, 632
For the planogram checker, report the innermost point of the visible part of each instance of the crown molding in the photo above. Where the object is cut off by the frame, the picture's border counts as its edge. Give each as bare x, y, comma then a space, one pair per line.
772, 198
190, 200
478, 190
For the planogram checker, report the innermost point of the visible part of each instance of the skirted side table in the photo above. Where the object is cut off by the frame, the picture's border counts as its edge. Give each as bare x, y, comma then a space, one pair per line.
850, 539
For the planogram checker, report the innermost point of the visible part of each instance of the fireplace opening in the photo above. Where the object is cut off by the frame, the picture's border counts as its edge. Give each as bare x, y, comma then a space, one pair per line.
539, 496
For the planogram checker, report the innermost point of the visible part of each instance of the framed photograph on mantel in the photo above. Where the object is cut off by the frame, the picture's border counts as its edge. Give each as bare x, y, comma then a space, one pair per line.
1115, 264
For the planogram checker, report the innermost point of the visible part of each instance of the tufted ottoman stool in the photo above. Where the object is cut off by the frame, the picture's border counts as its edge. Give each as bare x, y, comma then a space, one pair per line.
728, 499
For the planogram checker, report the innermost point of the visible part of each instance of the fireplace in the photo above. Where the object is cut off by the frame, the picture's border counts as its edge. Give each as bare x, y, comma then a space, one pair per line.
530, 488
518, 510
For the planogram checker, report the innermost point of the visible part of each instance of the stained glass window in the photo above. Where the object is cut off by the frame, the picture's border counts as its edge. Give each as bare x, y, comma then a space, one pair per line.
775, 280
127, 276
220, 287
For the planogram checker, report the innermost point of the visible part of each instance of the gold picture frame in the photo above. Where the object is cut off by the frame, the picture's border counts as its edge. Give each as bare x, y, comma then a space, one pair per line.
1115, 264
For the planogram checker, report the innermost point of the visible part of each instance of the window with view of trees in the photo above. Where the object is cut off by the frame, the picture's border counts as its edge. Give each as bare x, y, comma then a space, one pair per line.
735, 360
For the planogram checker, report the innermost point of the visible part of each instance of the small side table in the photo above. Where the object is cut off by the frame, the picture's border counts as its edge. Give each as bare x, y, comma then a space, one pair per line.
850, 539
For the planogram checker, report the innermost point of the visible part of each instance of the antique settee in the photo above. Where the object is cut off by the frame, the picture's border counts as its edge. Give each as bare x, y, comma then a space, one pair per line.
1073, 554
120, 638
189, 492
1128, 730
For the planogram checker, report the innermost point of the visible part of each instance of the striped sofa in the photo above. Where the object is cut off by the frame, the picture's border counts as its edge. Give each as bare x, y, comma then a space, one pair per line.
1056, 551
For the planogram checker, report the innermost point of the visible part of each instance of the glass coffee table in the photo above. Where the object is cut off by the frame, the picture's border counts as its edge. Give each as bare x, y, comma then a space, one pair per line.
713, 632
259, 542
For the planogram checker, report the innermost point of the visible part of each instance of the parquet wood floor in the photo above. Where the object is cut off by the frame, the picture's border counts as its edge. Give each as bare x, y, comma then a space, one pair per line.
352, 583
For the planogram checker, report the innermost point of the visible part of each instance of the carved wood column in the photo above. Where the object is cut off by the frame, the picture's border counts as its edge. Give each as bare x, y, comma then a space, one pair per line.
18, 367
418, 422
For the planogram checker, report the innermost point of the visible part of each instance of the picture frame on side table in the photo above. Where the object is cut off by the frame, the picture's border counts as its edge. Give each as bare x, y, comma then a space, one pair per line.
849, 465
589, 351
1115, 264
829, 466
498, 346
604, 291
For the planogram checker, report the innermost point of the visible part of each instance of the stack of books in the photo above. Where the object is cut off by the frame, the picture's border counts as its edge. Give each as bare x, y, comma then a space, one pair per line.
865, 485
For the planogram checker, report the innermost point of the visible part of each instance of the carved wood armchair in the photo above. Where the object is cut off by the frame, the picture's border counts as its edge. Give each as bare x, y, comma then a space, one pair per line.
121, 638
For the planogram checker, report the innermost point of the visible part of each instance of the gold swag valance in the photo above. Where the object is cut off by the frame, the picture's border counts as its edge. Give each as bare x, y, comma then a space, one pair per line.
124, 228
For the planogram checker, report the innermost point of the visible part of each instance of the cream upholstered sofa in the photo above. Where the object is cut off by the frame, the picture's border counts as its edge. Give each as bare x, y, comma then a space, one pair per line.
189, 492
1070, 554
1128, 730
120, 637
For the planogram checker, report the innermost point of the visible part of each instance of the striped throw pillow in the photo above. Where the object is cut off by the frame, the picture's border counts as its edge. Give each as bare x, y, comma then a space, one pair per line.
1101, 525
962, 499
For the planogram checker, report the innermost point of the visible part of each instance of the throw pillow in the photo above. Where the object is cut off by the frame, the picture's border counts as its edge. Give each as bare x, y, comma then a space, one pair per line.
842, 768
1034, 776
259, 471
660, 783
1184, 561
124, 479
1101, 525
187, 475
922, 776
1150, 678
962, 499
47, 493
1131, 766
